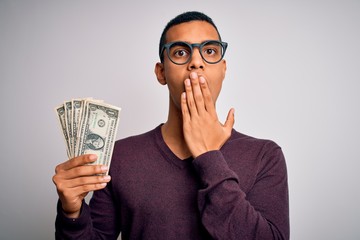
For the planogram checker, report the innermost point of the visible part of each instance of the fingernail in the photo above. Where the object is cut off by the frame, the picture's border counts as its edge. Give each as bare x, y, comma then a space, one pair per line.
104, 168
106, 178
92, 157
202, 80
193, 74
187, 82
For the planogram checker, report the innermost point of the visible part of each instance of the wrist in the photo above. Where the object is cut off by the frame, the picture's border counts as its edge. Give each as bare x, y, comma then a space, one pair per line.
72, 214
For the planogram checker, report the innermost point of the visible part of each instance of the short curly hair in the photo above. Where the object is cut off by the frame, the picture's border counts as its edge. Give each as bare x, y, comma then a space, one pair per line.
182, 18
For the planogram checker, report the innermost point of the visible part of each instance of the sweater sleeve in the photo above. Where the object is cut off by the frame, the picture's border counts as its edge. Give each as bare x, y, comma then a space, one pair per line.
72, 228
227, 212
97, 221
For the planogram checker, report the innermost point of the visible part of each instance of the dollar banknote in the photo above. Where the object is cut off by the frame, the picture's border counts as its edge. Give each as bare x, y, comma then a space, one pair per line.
68, 124
61, 116
89, 126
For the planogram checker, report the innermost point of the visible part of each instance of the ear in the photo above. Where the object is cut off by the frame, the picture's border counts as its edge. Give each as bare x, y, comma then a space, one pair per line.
224, 68
159, 72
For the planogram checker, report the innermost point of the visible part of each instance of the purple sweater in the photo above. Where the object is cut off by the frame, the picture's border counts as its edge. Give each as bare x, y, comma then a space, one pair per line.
238, 192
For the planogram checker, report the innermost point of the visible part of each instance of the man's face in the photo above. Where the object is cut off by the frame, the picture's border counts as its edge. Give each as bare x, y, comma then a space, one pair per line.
174, 75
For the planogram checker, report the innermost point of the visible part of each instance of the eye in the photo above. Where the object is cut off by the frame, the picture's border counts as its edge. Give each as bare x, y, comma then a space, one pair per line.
181, 53
210, 51
179, 50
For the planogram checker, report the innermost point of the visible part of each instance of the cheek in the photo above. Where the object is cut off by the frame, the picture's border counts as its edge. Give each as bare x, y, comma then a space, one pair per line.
175, 79
215, 90
175, 95
215, 86
176, 87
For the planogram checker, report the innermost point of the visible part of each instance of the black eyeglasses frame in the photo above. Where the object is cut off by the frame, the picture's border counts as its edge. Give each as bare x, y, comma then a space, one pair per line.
192, 46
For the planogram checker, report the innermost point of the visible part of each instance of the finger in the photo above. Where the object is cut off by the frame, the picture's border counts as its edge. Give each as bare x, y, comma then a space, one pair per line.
190, 98
208, 100
84, 189
184, 107
197, 93
94, 187
84, 170
82, 181
230, 119
77, 161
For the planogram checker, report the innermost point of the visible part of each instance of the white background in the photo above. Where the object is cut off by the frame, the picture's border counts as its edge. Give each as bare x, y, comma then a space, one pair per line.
293, 77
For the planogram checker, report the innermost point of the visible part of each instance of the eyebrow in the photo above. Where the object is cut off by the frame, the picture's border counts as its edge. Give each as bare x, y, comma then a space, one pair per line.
195, 42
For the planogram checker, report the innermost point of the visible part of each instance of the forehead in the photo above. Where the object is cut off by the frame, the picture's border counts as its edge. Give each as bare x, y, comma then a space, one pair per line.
192, 32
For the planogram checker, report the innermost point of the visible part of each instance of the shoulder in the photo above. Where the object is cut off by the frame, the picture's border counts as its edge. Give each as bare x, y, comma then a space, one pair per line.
250, 150
253, 158
250, 143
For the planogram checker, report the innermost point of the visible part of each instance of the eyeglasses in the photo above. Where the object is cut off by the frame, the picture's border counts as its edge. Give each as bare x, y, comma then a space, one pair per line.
180, 53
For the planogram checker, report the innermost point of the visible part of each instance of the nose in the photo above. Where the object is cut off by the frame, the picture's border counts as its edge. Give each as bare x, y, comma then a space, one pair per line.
196, 60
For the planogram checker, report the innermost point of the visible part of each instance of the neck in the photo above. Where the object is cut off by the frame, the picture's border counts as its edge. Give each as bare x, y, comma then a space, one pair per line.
172, 132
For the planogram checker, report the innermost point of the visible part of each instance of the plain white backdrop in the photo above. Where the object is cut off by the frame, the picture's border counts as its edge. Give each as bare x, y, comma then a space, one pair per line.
293, 76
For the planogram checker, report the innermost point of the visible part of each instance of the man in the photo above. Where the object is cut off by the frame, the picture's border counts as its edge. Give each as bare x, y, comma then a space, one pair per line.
189, 178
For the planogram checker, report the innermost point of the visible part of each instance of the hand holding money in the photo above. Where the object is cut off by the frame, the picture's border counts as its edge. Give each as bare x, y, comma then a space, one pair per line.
89, 128
75, 178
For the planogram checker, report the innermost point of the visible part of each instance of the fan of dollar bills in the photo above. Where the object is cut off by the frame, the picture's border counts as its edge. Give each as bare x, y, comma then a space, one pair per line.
89, 126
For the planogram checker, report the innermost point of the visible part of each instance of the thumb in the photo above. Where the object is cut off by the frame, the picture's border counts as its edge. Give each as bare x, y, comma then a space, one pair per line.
230, 119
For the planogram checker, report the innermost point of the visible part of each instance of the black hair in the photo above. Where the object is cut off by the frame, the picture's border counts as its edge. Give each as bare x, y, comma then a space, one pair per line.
182, 18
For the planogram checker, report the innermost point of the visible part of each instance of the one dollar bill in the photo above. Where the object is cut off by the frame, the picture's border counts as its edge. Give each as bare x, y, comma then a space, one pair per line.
89, 126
